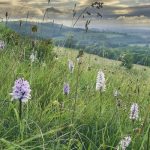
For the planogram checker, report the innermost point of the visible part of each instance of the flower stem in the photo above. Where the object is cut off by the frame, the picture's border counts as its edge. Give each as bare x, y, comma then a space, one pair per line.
76, 93
100, 97
148, 140
20, 109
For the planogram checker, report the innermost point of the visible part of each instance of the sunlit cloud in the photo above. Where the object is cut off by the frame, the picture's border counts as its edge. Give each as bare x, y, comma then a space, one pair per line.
62, 9
136, 19
122, 11
111, 2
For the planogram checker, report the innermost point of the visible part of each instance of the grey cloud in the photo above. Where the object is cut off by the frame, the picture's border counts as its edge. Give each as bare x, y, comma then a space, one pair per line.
53, 10
141, 10
4, 3
109, 11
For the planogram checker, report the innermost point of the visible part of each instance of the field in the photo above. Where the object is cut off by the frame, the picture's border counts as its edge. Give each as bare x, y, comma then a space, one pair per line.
108, 44
83, 119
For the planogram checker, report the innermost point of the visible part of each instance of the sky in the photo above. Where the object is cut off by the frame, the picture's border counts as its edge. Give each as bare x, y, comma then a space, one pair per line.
126, 11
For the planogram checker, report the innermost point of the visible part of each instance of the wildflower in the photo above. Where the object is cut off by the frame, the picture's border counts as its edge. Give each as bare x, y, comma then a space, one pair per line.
21, 90
124, 143
33, 57
66, 89
134, 114
71, 66
100, 82
116, 93
2, 44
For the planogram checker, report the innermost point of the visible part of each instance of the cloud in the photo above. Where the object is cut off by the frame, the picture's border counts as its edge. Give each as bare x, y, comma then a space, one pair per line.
140, 10
115, 11
53, 10
106, 2
136, 19
20, 12
122, 11
62, 9
4, 3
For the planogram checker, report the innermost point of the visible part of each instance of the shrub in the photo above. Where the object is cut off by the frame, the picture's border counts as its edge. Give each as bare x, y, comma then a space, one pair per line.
127, 61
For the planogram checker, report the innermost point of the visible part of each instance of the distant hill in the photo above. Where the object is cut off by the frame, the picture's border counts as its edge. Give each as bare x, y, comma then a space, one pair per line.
80, 38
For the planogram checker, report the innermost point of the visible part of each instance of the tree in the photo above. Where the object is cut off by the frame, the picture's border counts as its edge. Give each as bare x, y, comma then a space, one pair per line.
127, 60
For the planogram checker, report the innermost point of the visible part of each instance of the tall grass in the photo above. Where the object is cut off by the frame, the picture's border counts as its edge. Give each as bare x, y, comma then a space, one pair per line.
47, 118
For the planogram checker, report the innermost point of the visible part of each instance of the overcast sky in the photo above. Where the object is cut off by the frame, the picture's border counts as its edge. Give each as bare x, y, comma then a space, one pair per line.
122, 10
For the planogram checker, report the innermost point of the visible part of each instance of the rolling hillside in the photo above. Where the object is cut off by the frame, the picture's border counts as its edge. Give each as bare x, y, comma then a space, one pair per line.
106, 38
80, 119
108, 44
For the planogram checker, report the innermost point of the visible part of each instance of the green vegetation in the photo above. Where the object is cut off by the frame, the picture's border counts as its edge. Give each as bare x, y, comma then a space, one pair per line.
83, 120
110, 45
127, 61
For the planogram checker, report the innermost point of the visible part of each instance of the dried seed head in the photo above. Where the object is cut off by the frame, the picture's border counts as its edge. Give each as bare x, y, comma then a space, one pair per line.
34, 28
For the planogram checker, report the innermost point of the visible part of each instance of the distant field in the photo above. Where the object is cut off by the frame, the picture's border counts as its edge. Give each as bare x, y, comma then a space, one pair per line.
59, 32
109, 44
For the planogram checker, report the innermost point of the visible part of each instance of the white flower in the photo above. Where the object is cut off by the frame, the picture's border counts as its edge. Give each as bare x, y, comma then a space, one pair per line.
116, 93
2, 44
100, 82
78, 59
71, 66
33, 57
134, 114
124, 143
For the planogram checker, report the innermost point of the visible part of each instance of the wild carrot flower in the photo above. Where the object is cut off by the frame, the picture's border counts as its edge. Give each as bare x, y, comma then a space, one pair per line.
134, 112
21, 90
66, 89
100, 82
71, 66
124, 143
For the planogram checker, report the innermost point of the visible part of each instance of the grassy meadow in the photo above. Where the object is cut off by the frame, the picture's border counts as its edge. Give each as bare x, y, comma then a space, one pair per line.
85, 119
